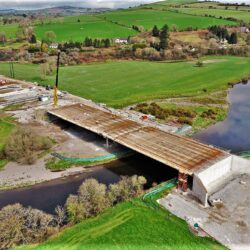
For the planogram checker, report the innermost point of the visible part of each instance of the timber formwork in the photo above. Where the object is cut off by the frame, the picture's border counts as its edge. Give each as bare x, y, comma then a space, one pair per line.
184, 154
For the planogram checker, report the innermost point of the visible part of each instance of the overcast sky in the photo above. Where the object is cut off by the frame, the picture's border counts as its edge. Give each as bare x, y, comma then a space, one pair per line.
83, 3
23, 4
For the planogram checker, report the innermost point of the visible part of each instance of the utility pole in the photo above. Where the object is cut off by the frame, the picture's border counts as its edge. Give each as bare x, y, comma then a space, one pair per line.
56, 85
12, 73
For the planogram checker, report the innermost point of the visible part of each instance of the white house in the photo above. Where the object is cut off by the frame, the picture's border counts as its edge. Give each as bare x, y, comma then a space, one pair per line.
121, 41
53, 46
244, 29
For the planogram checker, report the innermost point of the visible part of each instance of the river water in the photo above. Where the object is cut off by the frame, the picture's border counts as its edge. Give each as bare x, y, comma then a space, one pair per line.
233, 133
46, 196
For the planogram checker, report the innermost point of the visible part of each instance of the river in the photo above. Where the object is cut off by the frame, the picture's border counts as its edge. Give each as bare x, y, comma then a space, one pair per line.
46, 196
234, 132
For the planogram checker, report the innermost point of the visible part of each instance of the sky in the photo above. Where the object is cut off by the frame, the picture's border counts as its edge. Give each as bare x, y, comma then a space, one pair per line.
34, 4
30, 4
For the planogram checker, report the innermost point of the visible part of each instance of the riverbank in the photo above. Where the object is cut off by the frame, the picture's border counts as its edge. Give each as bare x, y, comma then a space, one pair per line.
196, 113
143, 225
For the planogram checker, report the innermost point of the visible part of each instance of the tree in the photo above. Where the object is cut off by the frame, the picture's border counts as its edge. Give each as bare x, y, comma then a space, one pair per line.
199, 63
19, 225
91, 200
155, 31
174, 27
88, 42
248, 39
60, 216
219, 31
44, 47
19, 35
33, 39
126, 188
94, 196
164, 37
50, 36
24, 145
3, 38
107, 43
233, 38
25, 30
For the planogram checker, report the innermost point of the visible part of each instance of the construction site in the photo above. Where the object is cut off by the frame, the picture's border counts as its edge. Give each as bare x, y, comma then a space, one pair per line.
209, 179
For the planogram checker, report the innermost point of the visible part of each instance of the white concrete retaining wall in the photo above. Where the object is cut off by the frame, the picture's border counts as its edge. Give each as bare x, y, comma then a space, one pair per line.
240, 165
211, 179
216, 171
206, 180
199, 190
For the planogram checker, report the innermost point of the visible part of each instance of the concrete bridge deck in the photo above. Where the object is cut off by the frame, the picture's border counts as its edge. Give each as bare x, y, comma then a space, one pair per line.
184, 154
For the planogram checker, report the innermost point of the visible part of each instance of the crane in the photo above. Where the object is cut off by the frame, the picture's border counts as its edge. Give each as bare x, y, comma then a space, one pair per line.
56, 85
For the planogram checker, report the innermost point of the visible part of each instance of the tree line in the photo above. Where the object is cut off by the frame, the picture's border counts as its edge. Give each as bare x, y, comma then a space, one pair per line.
222, 33
163, 35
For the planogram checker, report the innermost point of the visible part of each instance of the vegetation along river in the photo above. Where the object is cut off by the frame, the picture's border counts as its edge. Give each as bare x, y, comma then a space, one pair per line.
231, 134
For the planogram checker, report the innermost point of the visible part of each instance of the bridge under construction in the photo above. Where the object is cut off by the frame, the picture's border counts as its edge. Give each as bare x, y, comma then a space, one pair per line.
189, 157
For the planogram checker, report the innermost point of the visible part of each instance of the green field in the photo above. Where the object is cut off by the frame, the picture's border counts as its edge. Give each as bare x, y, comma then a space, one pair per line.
136, 81
89, 26
117, 24
6, 126
167, 3
240, 15
9, 29
216, 5
149, 18
130, 226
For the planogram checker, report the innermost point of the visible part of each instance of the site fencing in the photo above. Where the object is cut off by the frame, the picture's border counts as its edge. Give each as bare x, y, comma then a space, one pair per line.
100, 158
150, 198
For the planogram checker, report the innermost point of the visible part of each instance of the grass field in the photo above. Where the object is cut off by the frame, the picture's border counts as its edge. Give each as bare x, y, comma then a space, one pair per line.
9, 29
130, 226
189, 37
118, 24
89, 26
216, 5
136, 81
149, 18
167, 3
6, 127
240, 15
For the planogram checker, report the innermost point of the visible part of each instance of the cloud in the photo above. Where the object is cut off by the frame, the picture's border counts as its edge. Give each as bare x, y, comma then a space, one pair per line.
30, 4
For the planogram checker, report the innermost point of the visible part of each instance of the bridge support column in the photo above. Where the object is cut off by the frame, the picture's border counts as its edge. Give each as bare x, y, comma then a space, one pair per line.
182, 181
107, 143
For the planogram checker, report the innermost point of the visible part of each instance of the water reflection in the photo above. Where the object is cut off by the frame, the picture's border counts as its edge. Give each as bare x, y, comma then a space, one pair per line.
233, 133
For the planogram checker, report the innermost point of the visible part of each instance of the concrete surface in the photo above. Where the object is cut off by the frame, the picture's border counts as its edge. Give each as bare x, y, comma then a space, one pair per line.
227, 222
209, 180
